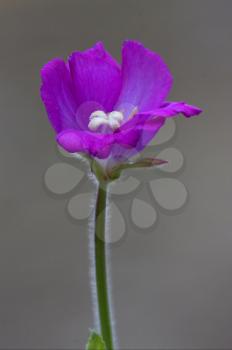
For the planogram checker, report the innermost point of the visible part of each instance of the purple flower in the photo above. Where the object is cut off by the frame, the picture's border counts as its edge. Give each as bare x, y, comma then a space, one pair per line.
106, 110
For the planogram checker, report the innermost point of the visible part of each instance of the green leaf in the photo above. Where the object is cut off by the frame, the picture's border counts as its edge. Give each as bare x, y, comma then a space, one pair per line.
95, 342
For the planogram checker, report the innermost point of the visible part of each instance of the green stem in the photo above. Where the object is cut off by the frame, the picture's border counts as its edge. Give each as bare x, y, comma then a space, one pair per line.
101, 269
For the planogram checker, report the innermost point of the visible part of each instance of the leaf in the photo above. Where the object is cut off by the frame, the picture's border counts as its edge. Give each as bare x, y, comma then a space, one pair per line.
95, 342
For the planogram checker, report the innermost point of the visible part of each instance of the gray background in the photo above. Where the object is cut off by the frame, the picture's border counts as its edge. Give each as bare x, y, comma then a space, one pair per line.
173, 286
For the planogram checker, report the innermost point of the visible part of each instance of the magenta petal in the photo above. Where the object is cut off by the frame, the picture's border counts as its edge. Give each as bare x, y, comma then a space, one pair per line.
145, 127
57, 95
96, 76
146, 80
170, 109
95, 144
148, 129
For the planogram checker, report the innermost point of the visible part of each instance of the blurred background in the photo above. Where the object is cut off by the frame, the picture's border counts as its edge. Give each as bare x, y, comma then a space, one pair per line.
172, 285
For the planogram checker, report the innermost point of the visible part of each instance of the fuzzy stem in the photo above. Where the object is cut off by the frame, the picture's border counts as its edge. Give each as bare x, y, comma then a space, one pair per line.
101, 268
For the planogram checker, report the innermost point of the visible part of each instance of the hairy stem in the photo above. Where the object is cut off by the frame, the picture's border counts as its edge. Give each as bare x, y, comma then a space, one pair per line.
101, 268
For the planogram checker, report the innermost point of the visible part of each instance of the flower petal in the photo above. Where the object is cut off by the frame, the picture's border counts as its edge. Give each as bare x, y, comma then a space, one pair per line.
96, 76
149, 123
145, 126
57, 95
148, 130
170, 109
146, 80
96, 144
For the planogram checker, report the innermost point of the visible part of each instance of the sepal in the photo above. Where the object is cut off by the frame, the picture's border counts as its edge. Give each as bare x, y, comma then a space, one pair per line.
108, 175
140, 163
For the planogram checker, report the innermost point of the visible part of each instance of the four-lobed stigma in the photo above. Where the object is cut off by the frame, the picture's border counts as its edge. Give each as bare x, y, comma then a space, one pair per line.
99, 118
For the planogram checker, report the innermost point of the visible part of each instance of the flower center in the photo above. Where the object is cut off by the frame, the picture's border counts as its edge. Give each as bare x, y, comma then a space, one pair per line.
112, 120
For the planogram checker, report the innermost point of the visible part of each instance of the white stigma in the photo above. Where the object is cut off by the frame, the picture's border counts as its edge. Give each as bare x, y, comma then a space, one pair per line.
99, 118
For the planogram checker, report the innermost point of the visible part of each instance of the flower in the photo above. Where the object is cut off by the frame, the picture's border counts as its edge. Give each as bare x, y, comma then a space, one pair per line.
105, 110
